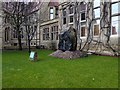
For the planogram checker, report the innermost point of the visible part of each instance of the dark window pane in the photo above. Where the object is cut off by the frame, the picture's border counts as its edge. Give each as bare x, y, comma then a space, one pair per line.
71, 10
43, 36
46, 34
52, 32
51, 36
56, 11
56, 32
96, 29
56, 35
82, 31
64, 13
64, 20
71, 19
15, 44
82, 16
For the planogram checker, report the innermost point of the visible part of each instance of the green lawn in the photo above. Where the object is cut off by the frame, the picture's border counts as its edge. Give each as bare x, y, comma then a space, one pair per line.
49, 72
0, 69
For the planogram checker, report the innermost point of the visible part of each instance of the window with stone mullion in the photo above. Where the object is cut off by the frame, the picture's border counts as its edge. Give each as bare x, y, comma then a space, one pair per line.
51, 13
64, 16
96, 16
115, 17
46, 34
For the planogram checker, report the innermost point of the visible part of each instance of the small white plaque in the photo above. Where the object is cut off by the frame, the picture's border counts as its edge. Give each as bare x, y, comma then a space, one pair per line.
32, 55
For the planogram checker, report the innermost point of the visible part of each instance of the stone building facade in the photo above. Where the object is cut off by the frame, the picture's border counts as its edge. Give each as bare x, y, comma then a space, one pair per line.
57, 17
46, 18
10, 37
49, 33
84, 15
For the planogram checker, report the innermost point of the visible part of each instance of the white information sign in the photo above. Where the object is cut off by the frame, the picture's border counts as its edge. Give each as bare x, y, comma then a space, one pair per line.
32, 54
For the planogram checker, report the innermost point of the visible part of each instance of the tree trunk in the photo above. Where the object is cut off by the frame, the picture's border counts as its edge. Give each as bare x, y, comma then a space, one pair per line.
29, 45
19, 42
28, 32
19, 37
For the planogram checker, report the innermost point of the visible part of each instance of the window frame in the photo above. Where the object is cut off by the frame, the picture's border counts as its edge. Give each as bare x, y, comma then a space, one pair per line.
97, 3
117, 23
15, 36
54, 32
71, 9
56, 12
81, 30
117, 14
51, 13
71, 17
6, 34
21, 33
64, 18
71, 14
83, 11
95, 13
94, 30
45, 33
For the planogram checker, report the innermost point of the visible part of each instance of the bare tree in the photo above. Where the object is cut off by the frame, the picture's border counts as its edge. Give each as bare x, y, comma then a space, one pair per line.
30, 29
16, 14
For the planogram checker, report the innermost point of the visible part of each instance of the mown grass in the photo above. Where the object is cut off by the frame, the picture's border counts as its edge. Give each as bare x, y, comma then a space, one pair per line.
0, 69
49, 72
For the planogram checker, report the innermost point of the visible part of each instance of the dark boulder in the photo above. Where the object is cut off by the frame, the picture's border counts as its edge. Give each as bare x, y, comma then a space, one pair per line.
68, 40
